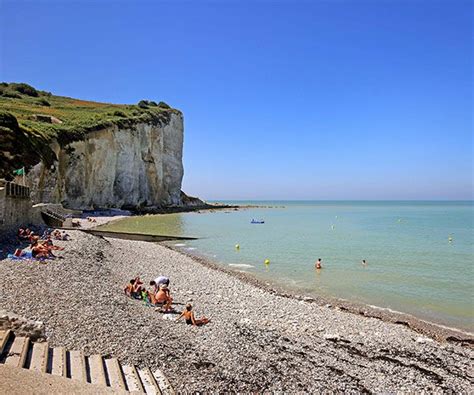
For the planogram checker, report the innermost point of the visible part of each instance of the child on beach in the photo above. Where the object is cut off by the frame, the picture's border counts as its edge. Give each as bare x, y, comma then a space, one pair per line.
145, 295
188, 315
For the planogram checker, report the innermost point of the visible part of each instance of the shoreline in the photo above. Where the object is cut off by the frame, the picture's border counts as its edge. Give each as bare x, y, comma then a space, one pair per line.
260, 339
435, 330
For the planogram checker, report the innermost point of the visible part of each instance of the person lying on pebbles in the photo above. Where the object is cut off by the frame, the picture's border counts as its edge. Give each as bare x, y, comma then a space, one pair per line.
189, 318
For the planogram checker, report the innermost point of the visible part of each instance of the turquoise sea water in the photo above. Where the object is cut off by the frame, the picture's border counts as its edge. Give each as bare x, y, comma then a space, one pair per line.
411, 264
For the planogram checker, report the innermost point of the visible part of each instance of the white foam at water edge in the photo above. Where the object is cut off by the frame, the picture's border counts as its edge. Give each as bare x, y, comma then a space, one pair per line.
180, 245
420, 319
190, 248
240, 265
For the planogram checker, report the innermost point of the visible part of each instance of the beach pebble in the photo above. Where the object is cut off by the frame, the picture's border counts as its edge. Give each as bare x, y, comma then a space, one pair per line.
257, 341
329, 336
421, 339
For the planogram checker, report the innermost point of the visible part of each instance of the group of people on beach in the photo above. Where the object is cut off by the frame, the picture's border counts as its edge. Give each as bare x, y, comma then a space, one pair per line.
158, 295
39, 247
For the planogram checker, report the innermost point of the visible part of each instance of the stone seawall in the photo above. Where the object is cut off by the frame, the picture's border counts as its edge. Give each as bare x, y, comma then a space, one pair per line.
15, 207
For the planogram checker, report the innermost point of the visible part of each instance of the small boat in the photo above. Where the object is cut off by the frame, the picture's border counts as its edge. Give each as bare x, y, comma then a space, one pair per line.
254, 221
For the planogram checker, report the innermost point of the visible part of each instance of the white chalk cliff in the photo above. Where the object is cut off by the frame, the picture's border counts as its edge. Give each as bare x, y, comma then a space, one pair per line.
136, 166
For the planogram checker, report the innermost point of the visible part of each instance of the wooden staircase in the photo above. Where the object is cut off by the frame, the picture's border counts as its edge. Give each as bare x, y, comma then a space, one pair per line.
21, 352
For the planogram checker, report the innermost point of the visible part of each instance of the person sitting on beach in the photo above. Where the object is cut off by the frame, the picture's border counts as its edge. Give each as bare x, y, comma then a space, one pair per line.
318, 264
32, 237
155, 286
39, 251
188, 315
145, 295
49, 244
129, 288
64, 236
21, 233
163, 297
19, 253
24, 234
151, 294
45, 235
158, 281
137, 287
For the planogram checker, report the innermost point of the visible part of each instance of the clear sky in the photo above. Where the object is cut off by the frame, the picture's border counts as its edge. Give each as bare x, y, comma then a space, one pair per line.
281, 99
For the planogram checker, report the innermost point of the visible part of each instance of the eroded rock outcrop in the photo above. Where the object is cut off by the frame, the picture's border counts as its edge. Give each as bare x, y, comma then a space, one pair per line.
125, 167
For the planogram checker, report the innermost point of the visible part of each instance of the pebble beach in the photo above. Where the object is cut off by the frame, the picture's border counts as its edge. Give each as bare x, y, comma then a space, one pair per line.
258, 340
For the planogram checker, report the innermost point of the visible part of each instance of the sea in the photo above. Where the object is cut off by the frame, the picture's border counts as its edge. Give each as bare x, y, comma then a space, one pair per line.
419, 254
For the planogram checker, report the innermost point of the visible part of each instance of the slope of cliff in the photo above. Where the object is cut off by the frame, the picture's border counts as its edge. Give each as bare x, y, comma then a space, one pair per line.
86, 154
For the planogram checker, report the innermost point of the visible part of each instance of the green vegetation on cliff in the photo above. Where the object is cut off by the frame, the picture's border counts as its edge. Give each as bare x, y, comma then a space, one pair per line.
31, 119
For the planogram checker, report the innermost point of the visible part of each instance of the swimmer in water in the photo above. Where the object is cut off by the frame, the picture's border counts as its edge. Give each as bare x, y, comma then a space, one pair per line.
318, 264
364, 263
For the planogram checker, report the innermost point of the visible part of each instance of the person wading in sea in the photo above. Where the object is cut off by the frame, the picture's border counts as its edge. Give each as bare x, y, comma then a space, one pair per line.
318, 264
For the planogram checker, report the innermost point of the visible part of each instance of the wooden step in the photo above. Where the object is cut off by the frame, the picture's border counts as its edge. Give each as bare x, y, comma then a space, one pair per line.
4, 337
59, 367
163, 384
132, 379
18, 352
149, 383
77, 365
96, 370
114, 374
39, 357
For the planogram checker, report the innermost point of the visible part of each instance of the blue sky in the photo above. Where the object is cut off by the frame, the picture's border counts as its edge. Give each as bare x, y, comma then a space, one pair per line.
282, 99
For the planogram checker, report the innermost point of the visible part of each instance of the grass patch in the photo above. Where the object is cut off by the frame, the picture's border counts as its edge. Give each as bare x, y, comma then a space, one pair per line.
78, 117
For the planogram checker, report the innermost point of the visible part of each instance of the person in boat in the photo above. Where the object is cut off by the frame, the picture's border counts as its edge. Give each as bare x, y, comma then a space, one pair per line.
318, 265
189, 318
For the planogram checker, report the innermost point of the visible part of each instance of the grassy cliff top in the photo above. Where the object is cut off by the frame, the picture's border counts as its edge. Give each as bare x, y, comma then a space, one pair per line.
30, 119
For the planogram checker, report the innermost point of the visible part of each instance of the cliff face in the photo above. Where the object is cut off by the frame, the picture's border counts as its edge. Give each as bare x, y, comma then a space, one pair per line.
129, 166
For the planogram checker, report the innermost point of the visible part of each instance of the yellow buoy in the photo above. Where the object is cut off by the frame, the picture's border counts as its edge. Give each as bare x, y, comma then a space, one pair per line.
267, 261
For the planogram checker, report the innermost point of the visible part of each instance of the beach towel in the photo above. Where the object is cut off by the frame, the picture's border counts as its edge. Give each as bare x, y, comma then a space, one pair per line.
26, 257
